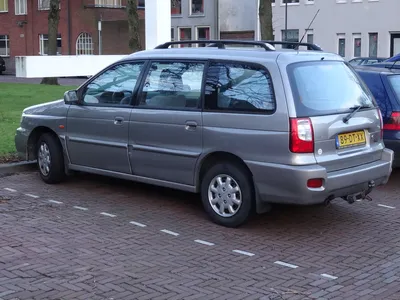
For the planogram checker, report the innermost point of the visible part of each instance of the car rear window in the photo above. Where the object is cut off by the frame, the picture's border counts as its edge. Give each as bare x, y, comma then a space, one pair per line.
326, 87
395, 83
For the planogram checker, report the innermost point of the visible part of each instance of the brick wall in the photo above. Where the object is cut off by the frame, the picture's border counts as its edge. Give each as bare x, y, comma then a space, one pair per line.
24, 39
237, 35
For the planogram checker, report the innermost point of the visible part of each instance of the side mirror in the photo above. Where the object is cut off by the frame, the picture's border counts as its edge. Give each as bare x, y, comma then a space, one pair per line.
71, 97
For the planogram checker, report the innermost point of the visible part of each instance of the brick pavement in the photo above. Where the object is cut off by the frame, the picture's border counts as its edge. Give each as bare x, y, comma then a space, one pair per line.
69, 250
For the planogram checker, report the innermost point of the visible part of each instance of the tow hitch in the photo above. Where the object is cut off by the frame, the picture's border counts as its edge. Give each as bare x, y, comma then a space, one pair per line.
361, 196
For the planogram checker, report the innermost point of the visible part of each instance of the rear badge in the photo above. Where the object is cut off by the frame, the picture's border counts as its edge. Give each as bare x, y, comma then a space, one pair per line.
319, 151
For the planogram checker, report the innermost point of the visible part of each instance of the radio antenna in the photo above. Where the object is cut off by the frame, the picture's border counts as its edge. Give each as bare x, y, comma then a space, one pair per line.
308, 28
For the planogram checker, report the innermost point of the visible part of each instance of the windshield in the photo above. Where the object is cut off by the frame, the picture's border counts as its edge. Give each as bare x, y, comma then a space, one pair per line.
326, 87
395, 83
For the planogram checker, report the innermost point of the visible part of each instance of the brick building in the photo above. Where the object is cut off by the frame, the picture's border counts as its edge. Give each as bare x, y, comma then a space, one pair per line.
23, 27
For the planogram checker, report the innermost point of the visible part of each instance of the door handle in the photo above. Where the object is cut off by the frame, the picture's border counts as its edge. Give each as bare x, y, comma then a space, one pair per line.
118, 120
191, 125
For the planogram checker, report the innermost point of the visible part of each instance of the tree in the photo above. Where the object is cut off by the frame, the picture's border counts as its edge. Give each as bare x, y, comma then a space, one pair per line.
265, 14
52, 21
133, 23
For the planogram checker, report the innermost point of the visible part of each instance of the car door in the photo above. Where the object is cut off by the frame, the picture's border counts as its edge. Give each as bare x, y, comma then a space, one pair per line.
165, 135
98, 127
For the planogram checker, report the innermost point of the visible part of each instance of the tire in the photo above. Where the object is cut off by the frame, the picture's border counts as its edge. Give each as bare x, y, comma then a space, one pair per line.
55, 171
240, 178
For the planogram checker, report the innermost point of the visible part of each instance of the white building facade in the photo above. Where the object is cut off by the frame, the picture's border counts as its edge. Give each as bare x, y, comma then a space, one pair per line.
351, 28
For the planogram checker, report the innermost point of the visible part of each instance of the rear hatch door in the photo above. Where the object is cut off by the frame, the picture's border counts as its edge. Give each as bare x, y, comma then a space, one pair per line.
345, 118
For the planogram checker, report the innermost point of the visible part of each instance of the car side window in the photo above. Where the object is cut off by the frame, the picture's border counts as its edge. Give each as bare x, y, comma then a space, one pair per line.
113, 87
238, 87
173, 85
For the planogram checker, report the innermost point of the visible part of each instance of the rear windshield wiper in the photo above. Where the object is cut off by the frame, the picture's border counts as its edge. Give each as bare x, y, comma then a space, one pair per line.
355, 109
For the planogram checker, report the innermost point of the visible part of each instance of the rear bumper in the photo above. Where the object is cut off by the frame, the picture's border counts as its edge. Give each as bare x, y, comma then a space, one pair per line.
288, 184
395, 146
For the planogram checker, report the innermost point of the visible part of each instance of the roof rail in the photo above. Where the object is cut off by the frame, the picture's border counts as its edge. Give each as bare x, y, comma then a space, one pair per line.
218, 43
295, 45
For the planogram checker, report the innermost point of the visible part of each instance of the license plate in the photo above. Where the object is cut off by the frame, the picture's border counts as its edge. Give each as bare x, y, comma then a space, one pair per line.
350, 139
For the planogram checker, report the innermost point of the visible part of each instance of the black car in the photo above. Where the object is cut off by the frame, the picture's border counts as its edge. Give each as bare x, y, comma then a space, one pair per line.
2, 65
384, 84
361, 61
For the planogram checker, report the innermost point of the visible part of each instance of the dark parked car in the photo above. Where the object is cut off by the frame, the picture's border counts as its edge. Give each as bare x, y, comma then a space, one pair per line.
2, 65
387, 65
361, 61
385, 86
393, 58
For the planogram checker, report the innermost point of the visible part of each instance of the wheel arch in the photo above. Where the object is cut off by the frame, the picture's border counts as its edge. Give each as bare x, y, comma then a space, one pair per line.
215, 157
34, 138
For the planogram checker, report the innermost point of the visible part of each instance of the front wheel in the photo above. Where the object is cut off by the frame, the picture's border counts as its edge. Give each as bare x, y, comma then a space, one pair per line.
227, 194
50, 159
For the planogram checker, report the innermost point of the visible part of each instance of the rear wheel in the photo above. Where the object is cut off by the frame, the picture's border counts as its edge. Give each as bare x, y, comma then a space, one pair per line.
50, 159
227, 194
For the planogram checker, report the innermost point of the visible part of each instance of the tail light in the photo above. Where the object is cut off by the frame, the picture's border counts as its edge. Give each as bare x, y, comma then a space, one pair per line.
301, 136
394, 122
315, 183
381, 121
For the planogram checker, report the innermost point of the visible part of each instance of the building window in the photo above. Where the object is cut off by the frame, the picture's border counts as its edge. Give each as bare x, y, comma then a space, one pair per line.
141, 3
357, 46
185, 34
290, 1
4, 45
3, 5
310, 38
21, 7
373, 45
197, 7
107, 3
45, 4
342, 47
203, 33
176, 7
292, 36
44, 44
84, 44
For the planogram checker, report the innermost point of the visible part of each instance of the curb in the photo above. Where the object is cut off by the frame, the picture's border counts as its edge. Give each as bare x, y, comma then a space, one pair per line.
12, 168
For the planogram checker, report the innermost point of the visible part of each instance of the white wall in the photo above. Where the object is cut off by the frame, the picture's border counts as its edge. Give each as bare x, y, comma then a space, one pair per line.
62, 65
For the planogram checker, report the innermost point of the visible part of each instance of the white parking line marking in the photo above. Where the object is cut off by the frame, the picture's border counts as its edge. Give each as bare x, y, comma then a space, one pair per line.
386, 206
281, 263
108, 215
329, 276
80, 208
32, 196
55, 202
169, 232
243, 252
204, 243
137, 224
10, 190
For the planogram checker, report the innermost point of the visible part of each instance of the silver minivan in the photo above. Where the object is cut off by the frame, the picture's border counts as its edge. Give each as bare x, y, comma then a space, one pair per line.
243, 127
